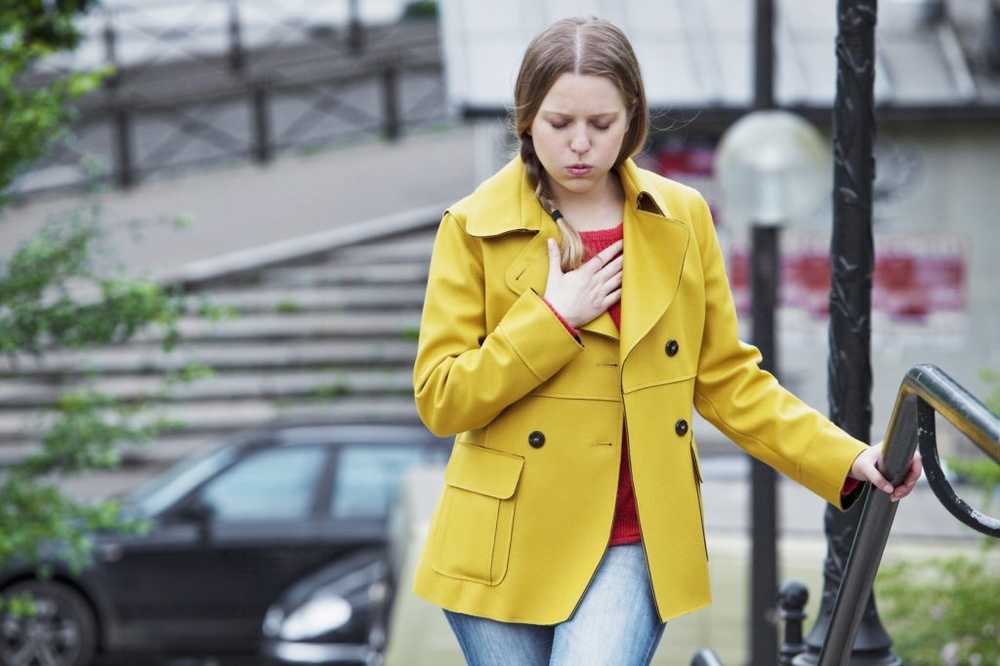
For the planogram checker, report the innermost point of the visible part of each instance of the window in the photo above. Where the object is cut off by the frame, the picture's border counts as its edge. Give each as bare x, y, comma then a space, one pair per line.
275, 484
367, 482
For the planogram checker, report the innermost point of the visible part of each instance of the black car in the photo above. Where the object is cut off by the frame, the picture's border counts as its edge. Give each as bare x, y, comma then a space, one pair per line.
336, 616
232, 530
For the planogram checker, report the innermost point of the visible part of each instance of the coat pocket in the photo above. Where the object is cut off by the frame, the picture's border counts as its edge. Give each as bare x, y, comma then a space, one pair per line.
472, 538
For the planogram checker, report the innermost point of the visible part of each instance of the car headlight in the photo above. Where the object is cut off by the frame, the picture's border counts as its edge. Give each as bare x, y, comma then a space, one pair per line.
315, 617
272, 621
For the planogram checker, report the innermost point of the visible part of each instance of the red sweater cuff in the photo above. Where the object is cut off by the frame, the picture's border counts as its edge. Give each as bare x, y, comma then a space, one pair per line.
849, 486
565, 323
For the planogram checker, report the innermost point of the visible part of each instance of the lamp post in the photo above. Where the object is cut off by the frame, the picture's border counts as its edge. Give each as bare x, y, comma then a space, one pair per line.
773, 168
852, 264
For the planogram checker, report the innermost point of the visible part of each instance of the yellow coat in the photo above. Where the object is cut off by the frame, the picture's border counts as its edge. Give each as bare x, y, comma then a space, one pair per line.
527, 507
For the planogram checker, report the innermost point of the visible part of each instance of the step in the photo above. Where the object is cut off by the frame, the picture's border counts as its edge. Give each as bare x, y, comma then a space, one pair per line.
410, 249
265, 298
254, 326
385, 273
162, 452
268, 385
295, 354
217, 416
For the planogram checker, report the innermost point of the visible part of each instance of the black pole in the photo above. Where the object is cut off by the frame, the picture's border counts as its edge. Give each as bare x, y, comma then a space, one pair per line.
764, 544
765, 257
764, 55
852, 262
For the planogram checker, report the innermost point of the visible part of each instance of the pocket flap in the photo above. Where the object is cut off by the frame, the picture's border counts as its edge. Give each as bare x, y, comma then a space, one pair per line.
483, 470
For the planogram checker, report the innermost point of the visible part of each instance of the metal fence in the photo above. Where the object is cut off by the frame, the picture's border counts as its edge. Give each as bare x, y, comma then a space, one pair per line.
223, 81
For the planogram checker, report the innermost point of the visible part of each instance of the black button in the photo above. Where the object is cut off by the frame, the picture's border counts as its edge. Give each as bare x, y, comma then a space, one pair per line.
672, 347
536, 438
681, 427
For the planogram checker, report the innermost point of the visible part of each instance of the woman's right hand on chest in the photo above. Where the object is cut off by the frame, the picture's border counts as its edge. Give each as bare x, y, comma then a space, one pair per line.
584, 293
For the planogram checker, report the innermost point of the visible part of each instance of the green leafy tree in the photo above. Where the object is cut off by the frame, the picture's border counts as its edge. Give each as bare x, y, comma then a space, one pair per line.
53, 297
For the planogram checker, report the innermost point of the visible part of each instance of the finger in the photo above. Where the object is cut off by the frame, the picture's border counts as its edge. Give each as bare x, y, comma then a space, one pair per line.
612, 298
610, 268
608, 253
612, 282
555, 258
901, 492
879, 481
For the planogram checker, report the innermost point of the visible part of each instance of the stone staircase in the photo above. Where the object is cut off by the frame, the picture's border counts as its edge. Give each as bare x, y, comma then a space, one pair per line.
325, 329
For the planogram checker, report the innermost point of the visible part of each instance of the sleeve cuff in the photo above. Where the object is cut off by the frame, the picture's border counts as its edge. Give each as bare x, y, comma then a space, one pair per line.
537, 336
565, 323
849, 486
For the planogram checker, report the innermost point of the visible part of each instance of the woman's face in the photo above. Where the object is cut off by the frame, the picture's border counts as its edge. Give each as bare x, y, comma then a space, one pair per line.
581, 121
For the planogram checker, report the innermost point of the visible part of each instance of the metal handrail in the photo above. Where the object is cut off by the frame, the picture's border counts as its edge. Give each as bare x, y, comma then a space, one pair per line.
925, 389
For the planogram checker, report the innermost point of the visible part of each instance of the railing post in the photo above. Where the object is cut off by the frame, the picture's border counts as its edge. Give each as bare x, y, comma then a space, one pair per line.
263, 149
110, 39
791, 603
237, 60
993, 37
390, 101
123, 146
355, 29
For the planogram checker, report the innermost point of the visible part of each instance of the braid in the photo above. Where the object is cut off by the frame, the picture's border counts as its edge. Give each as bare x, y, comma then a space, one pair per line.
571, 245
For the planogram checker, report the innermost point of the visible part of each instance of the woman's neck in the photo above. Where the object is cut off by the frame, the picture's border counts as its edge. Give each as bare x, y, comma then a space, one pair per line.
598, 209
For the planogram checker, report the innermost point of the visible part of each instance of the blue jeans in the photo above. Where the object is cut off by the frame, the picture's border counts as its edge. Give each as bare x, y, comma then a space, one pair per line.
615, 624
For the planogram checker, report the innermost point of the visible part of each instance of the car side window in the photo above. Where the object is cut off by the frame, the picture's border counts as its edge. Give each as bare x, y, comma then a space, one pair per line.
367, 479
273, 484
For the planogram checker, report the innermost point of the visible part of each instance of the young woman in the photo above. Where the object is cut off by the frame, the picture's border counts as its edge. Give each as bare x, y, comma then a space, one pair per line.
577, 310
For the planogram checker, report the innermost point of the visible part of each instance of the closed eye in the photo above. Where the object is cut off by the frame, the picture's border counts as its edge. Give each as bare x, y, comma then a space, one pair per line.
599, 127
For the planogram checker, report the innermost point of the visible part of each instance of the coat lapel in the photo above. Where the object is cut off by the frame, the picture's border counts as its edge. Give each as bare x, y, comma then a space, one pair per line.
655, 246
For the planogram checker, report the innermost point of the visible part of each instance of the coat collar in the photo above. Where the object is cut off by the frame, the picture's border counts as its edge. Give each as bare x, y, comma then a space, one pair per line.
655, 246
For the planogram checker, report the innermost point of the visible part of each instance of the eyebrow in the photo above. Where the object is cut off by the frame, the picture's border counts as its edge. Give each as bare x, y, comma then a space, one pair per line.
567, 115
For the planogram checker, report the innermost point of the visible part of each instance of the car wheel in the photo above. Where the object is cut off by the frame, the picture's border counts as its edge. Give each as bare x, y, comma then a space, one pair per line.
62, 632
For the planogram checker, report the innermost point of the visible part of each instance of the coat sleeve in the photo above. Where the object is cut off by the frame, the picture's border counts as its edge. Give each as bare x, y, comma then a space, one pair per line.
464, 375
748, 404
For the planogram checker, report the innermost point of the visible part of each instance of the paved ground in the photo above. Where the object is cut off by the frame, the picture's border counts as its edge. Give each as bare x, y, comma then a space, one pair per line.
234, 208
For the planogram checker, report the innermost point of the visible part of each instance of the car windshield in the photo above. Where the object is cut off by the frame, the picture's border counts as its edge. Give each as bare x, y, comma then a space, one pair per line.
160, 492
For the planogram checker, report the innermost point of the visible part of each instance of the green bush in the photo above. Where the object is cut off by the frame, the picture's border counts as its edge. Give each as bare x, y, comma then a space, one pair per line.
943, 610
420, 9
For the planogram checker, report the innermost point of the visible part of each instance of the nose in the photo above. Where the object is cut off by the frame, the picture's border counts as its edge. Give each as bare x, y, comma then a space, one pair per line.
580, 143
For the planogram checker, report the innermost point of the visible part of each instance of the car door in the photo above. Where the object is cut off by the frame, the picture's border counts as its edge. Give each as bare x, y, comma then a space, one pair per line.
366, 484
208, 589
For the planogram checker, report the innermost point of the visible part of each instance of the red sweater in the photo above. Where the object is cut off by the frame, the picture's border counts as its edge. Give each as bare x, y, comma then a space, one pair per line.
626, 524
625, 528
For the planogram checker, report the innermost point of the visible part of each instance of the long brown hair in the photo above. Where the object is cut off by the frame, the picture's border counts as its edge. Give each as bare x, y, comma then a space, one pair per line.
581, 45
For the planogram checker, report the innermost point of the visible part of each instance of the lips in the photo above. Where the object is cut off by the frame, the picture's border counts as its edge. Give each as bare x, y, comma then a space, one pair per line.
579, 169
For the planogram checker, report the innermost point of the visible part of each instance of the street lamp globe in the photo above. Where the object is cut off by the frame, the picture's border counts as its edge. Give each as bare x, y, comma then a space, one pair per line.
773, 167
